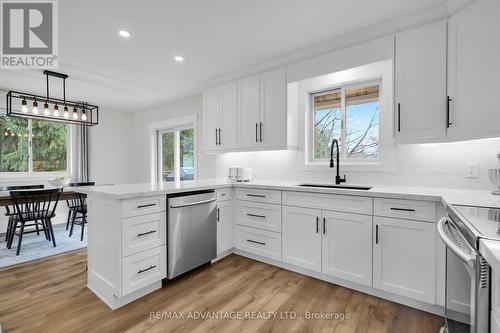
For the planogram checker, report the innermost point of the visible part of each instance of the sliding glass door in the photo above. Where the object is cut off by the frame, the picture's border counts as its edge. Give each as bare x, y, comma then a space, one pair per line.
176, 154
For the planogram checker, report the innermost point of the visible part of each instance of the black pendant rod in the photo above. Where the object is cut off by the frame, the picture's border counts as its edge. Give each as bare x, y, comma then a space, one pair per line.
47, 75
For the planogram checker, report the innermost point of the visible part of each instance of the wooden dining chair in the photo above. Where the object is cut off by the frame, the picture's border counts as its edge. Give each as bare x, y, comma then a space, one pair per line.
77, 210
10, 210
37, 206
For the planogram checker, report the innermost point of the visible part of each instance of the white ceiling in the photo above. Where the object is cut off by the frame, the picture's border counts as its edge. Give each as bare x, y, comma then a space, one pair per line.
216, 37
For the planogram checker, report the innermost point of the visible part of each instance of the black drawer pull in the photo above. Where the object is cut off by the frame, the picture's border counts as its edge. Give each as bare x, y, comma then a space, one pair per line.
403, 209
256, 195
145, 269
252, 241
317, 224
146, 233
324, 225
259, 216
376, 234
148, 205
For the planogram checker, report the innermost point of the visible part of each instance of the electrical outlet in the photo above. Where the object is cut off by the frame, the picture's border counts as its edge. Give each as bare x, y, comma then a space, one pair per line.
472, 170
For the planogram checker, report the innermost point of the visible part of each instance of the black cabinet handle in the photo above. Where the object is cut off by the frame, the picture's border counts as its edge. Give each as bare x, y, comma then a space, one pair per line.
317, 224
145, 269
259, 216
216, 138
256, 130
448, 100
376, 234
260, 132
399, 117
146, 233
403, 209
324, 225
145, 206
256, 195
220, 141
218, 214
255, 242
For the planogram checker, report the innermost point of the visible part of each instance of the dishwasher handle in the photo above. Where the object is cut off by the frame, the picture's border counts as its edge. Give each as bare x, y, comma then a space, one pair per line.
193, 203
468, 259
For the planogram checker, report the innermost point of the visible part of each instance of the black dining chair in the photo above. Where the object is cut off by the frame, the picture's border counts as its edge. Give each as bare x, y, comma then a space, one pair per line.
10, 210
77, 209
37, 206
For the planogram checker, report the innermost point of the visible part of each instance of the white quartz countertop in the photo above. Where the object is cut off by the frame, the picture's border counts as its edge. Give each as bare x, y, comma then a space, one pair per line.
490, 249
445, 195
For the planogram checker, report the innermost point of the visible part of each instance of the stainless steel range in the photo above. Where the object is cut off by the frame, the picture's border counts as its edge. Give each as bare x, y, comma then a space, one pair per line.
467, 307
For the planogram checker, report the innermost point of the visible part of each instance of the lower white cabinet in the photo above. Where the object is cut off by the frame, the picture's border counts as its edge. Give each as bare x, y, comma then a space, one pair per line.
404, 258
143, 269
337, 244
261, 242
347, 246
301, 240
224, 226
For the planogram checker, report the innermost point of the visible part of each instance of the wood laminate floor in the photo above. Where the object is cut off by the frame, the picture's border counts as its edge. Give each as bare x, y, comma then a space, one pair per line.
50, 295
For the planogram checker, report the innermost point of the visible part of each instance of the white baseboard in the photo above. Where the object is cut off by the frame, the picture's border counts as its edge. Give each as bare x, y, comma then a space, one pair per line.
431, 308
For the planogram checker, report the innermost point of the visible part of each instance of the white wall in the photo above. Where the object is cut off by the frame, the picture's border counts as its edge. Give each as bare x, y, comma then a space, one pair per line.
139, 158
110, 152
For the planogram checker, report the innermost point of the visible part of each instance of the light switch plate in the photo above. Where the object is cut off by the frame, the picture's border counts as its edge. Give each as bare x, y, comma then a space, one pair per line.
472, 170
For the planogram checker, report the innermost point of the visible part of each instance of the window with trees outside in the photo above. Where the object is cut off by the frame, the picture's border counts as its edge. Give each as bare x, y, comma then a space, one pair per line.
351, 115
176, 154
32, 146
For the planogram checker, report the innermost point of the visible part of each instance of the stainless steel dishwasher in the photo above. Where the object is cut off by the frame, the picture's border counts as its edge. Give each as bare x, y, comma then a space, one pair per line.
192, 231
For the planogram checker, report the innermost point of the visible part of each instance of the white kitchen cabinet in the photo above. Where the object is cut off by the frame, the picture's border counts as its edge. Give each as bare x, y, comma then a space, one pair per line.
420, 83
273, 112
220, 117
473, 71
249, 112
224, 226
301, 237
211, 110
404, 258
347, 246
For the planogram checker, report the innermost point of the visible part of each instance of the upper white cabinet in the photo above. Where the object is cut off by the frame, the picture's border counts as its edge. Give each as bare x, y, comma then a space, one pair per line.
420, 83
249, 114
404, 257
220, 116
473, 71
262, 111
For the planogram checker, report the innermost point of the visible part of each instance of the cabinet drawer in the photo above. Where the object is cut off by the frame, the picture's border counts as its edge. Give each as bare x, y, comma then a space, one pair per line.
257, 195
261, 242
335, 202
142, 269
224, 194
258, 215
405, 209
142, 233
142, 206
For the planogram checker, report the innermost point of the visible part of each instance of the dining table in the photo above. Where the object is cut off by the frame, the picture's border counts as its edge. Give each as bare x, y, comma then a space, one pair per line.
67, 194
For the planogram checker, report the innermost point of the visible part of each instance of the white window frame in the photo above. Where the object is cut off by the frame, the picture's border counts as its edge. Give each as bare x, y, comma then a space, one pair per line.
381, 71
173, 125
31, 175
343, 122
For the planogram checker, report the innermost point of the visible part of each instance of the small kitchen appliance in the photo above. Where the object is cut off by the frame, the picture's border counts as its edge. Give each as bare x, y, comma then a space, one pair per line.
239, 174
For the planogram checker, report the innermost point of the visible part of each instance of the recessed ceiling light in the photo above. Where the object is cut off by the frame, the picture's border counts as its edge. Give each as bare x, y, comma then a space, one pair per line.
124, 33
179, 58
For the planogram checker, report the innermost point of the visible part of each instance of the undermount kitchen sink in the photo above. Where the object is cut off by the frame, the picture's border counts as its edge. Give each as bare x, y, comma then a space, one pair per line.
347, 187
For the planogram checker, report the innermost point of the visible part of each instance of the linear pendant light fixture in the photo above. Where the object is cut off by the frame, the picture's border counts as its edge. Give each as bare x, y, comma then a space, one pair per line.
26, 105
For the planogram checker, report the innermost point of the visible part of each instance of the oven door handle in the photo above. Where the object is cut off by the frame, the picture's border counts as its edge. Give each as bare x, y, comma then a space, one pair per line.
465, 257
